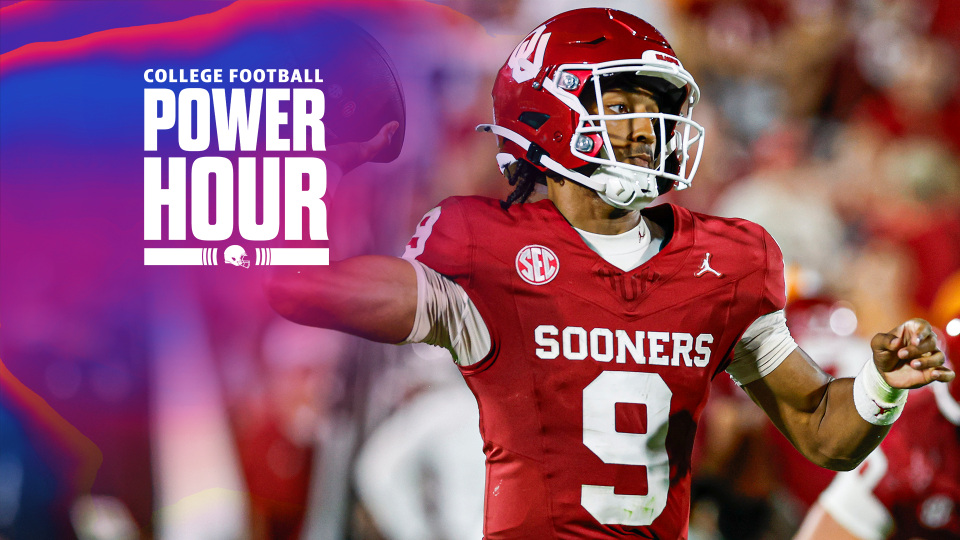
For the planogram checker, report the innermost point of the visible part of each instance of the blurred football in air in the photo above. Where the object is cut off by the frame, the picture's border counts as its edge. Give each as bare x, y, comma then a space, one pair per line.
361, 86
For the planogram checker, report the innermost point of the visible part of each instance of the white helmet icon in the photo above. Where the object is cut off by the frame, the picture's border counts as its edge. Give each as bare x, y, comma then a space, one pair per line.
236, 256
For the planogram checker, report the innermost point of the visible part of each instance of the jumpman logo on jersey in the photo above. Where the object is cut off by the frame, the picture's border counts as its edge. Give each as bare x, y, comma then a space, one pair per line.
705, 267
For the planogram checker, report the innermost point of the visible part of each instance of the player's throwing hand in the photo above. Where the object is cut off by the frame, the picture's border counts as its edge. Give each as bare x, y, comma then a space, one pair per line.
908, 357
349, 156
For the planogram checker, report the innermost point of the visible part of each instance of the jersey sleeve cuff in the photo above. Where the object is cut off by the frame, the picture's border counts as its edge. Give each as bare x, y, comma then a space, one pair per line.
763, 347
421, 324
446, 317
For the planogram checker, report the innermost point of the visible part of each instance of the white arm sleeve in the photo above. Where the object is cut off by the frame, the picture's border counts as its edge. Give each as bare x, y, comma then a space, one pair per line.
763, 347
447, 317
850, 500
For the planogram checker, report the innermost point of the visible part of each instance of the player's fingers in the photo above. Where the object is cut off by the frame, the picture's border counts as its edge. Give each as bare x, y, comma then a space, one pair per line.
914, 331
390, 129
349, 156
932, 360
886, 343
380, 140
924, 343
942, 374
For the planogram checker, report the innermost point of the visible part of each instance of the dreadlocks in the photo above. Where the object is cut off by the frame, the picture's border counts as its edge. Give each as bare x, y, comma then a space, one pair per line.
524, 177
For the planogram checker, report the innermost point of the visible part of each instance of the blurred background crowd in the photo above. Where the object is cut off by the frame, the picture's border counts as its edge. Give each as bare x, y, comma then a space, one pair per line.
835, 124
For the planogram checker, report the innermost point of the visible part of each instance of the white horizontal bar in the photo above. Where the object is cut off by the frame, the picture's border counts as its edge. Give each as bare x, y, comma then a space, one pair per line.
298, 256
174, 256
264, 256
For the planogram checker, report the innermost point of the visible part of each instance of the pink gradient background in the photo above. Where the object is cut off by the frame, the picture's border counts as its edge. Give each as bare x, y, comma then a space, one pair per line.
85, 324
179, 393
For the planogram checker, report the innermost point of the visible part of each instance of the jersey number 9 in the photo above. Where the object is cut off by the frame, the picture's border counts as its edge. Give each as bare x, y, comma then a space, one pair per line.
649, 449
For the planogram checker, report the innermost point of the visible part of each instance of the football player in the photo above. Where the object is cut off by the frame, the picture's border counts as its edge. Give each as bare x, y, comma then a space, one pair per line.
907, 488
588, 326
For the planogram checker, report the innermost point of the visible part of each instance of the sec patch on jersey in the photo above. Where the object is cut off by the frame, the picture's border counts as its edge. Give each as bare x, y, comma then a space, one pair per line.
537, 265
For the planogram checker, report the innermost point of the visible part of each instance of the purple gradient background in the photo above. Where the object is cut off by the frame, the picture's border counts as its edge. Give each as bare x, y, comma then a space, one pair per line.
82, 316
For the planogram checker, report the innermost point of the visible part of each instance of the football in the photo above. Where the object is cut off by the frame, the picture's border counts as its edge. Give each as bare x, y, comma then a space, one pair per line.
360, 84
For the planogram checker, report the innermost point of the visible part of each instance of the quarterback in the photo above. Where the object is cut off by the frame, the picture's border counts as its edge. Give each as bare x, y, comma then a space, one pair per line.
588, 325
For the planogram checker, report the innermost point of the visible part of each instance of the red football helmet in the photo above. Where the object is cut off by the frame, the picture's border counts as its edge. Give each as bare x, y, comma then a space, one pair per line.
538, 111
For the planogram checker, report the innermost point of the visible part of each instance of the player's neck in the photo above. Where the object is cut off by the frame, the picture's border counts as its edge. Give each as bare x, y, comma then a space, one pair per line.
584, 209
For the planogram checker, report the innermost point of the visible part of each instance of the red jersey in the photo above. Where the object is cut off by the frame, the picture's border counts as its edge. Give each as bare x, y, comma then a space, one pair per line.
590, 395
909, 487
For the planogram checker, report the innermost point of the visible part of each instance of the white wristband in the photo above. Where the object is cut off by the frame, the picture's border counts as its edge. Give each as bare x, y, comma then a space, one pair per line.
876, 401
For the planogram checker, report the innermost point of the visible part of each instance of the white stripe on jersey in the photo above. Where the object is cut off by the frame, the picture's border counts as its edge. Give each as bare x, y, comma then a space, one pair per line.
850, 500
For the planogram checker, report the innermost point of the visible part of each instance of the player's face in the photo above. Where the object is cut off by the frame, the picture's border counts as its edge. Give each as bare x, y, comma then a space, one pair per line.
633, 139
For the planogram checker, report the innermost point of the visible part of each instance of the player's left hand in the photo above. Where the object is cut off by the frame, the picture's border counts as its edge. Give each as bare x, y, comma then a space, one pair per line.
908, 356
349, 156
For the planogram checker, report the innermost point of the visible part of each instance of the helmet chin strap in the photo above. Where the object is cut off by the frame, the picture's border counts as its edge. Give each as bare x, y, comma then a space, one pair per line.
624, 188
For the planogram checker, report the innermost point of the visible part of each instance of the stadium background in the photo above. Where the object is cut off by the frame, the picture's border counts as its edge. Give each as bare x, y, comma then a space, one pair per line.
174, 404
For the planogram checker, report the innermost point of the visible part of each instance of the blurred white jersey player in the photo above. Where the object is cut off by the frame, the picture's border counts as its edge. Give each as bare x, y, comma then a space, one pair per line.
909, 487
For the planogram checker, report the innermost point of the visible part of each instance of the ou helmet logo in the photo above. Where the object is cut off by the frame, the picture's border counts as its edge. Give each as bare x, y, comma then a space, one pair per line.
537, 265
519, 62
